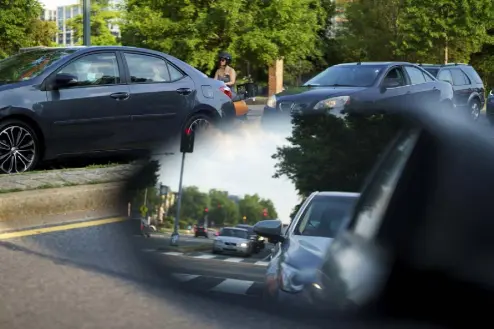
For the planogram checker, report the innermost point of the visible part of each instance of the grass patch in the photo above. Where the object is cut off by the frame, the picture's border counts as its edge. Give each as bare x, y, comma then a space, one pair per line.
65, 184
91, 166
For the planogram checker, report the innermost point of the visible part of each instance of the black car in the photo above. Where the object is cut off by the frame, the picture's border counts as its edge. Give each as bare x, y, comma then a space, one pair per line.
200, 230
469, 90
256, 239
371, 87
58, 102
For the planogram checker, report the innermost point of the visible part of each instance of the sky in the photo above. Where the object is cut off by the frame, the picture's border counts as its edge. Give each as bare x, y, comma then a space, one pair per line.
239, 163
52, 4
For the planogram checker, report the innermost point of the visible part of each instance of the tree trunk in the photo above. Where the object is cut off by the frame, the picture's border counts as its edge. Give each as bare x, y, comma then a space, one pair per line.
446, 55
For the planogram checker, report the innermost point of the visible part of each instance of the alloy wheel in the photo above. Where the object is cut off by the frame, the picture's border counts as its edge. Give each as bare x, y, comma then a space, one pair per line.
475, 110
17, 149
199, 125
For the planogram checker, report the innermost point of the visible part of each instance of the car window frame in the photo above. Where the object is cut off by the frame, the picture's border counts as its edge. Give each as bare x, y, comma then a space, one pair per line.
167, 62
410, 78
386, 72
470, 70
412, 134
291, 227
48, 82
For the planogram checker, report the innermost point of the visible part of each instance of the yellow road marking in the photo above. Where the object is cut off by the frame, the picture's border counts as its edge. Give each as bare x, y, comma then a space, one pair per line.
18, 234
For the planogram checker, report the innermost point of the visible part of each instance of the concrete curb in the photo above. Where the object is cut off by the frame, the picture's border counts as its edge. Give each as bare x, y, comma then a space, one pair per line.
51, 206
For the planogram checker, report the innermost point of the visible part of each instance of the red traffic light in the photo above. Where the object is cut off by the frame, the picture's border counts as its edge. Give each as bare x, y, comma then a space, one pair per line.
219, 205
206, 209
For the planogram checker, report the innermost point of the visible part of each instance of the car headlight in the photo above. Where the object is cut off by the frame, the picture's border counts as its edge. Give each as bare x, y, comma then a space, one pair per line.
271, 101
491, 93
288, 279
332, 103
261, 238
243, 244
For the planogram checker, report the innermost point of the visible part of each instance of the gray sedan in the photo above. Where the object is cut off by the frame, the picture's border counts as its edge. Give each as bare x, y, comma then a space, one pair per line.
233, 240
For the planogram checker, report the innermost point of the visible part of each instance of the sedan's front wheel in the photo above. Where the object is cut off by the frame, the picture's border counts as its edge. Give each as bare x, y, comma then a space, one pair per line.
19, 147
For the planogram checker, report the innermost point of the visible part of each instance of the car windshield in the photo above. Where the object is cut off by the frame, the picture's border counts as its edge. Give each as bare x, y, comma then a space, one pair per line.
346, 76
28, 65
234, 233
431, 71
324, 216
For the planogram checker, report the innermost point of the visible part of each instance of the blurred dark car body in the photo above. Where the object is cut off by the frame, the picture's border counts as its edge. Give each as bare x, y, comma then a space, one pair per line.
304, 245
257, 240
62, 102
373, 87
468, 87
489, 109
200, 230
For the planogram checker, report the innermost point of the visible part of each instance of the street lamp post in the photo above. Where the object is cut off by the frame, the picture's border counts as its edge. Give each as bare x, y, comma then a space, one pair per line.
86, 22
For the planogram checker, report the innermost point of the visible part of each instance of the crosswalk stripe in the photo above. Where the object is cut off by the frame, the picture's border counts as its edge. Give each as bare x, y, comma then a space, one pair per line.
173, 253
205, 256
233, 286
234, 260
261, 263
185, 277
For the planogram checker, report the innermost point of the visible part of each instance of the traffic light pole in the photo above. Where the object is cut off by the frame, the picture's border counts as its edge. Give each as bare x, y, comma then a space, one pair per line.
175, 235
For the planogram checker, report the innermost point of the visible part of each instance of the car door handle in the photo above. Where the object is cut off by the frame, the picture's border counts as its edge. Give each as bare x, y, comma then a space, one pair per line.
120, 96
184, 91
435, 88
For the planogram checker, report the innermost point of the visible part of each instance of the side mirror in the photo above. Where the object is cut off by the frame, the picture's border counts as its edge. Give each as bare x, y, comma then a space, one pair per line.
64, 80
270, 229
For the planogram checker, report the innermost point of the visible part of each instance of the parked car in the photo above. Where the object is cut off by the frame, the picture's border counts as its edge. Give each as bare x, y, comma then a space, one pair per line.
303, 247
257, 240
58, 102
489, 110
373, 87
469, 90
200, 230
233, 240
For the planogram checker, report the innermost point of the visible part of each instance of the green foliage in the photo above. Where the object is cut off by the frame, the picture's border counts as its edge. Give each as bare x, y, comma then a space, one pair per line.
221, 209
333, 154
101, 16
254, 31
16, 17
42, 33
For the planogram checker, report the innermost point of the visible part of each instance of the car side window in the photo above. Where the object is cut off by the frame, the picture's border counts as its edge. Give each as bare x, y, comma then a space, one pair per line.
94, 70
416, 76
471, 71
396, 74
459, 78
175, 74
427, 77
146, 69
445, 75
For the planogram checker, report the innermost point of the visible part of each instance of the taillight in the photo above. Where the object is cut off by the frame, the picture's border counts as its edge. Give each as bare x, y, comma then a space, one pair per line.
227, 91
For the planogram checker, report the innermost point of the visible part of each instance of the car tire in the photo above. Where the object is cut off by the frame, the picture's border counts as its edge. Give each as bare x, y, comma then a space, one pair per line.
31, 153
474, 108
199, 121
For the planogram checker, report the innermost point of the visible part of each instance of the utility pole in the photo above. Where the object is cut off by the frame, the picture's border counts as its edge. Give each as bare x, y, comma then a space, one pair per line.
86, 22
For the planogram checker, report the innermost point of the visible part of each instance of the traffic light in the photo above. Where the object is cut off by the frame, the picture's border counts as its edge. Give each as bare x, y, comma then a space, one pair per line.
244, 218
206, 209
265, 212
219, 205
187, 141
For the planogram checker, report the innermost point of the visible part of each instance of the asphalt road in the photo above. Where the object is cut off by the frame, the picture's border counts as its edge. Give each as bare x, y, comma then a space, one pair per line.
105, 277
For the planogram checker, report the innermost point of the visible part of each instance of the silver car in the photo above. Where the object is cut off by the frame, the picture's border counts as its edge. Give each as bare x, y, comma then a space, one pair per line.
233, 240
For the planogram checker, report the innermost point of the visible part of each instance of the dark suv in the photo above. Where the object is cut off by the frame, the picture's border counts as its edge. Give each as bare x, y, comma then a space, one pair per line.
469, 90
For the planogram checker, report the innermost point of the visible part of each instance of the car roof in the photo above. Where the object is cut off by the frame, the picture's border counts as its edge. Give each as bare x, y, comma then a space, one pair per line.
243, 225
338, 194
376, 63
443, 65
84, 49
235, 228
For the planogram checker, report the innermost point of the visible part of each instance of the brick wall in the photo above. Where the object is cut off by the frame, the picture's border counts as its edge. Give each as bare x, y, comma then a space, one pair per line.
275, 78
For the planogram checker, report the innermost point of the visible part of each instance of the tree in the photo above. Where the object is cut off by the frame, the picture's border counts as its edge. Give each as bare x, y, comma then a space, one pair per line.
145, 177
102, 16
222, 209
42, 33
435, 27
254, 31
333, 154
193, 204
250, 207
15, 23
